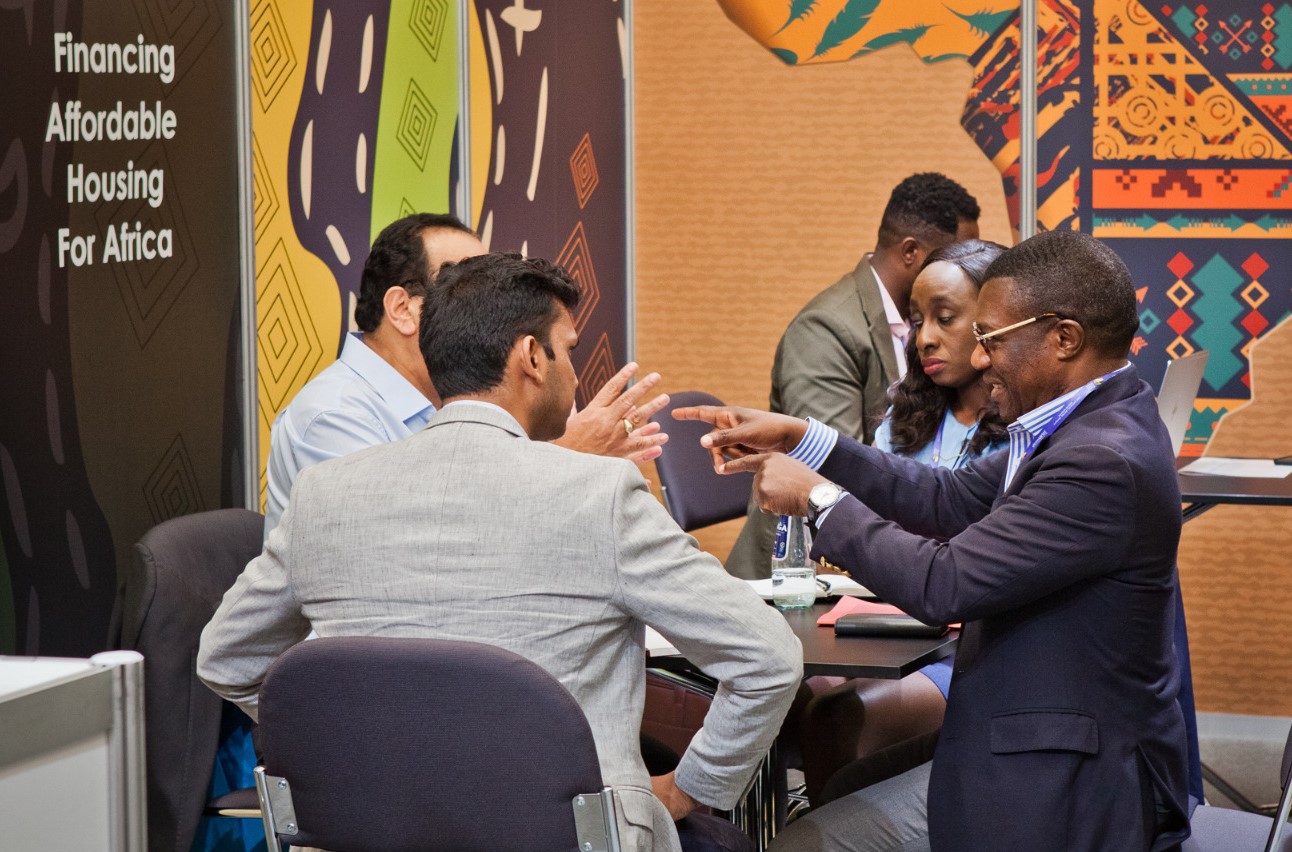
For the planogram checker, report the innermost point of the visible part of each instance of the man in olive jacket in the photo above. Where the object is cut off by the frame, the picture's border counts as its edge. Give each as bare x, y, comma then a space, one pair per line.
840, 354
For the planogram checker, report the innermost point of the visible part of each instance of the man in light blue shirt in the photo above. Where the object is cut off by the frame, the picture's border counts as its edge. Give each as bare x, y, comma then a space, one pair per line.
378, 390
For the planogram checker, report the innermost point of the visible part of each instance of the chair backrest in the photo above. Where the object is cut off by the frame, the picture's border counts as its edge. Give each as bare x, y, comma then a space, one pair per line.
1284, 809
404, 745
179, 571
1285, 771
696, 496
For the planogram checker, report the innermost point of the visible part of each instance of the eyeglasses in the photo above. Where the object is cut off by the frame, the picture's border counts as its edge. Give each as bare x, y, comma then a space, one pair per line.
982, 337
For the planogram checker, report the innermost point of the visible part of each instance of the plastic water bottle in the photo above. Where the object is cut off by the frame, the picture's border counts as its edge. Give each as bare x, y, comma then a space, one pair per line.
793, 574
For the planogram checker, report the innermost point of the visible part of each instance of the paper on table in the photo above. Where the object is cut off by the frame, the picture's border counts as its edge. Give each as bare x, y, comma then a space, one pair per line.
847, 606
1254, 468
839, 584
657, 645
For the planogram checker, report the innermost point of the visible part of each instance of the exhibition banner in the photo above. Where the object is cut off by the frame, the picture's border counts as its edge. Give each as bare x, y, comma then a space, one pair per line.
122, 249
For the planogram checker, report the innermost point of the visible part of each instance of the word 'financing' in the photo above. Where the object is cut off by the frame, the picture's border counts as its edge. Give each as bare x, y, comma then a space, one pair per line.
79, 57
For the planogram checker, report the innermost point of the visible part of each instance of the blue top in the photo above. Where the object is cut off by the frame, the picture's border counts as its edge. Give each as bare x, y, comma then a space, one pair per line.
951, 443
358, 401
952, 449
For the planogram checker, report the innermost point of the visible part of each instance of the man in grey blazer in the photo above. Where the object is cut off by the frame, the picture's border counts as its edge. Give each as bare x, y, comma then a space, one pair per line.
840, 354
378, 390
477, 529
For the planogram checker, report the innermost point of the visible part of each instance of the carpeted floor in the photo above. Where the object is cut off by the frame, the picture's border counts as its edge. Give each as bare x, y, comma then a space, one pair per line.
1245, 751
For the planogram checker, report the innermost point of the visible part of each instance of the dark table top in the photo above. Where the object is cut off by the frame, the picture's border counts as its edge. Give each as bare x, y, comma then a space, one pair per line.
848, 656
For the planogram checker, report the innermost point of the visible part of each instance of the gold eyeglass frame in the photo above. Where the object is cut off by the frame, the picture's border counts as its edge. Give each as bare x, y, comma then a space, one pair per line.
983, 338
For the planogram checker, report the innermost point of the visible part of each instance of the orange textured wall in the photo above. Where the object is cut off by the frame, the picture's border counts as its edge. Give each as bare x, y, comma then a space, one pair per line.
758, 185
1235, 569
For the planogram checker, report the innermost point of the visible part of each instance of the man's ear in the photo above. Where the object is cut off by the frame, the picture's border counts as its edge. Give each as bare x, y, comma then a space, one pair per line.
913, 253
1069, 338
531, 358
402, 310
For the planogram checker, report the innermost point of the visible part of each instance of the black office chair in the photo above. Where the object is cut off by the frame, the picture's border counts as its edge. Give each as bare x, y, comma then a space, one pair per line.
179, 572
695, 495
389, 745
1227, 830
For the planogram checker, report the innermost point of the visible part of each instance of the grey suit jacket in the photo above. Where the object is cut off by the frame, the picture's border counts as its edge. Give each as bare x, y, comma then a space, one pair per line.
835, 363
470, 531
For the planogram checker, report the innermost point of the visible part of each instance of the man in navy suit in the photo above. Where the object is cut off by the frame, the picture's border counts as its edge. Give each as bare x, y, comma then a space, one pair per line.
1062, 731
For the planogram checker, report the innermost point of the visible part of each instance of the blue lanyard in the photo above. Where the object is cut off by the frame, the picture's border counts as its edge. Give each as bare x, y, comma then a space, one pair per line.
937, 442
1023, 440
1048, 426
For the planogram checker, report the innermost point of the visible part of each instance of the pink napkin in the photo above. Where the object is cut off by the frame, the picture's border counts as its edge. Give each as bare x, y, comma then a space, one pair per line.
847, 606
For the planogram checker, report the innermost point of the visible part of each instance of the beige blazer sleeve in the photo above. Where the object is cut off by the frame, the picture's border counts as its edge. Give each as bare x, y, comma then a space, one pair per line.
719, 624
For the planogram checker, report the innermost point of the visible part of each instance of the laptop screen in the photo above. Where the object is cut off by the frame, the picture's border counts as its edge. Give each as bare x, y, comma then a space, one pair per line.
1178, 393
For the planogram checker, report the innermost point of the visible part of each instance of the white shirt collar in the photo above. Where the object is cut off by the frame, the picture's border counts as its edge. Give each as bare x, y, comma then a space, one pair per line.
898, 327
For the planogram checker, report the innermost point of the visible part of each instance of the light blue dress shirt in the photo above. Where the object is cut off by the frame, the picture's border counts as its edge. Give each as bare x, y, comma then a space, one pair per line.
358, 401
953, 450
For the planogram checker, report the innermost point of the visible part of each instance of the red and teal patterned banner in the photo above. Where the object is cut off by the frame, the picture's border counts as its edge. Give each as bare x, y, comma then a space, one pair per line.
1164, 128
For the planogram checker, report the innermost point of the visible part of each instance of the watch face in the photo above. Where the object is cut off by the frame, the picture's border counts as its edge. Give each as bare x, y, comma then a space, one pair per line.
823, 494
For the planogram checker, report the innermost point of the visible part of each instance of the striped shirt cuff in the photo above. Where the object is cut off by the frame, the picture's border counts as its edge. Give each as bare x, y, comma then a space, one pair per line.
816, 444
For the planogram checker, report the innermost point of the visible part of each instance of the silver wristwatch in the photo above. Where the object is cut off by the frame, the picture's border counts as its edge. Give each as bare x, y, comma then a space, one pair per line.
822, 497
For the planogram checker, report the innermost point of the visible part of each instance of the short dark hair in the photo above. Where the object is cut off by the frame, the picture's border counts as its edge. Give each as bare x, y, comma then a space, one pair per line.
928, 206
479, 308
918, 403
1077, 277
398, 259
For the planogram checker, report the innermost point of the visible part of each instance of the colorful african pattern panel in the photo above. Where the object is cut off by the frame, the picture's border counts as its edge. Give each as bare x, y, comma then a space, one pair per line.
1164, 127
413, 167
374, 129
549, 168
1191, 179
991, 110
1160, 96
355, 113
357, 122
1215, 294
298, 306
333, 142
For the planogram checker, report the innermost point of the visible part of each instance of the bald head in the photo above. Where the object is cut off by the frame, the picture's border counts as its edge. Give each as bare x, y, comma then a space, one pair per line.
449, 245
